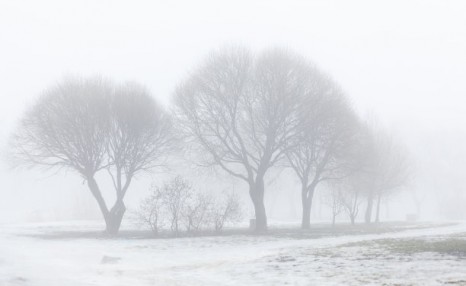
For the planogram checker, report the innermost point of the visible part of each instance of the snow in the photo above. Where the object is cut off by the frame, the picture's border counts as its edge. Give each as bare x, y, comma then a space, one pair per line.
27, 257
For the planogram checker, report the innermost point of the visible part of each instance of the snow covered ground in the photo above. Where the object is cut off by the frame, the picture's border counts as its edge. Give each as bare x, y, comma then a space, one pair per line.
57, 254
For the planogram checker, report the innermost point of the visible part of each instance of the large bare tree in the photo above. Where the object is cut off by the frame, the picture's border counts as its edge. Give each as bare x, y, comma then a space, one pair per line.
323, 147
89, 125
240, 109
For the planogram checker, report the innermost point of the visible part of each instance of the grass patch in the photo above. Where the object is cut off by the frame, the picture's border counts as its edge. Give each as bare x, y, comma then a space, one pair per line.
446, 246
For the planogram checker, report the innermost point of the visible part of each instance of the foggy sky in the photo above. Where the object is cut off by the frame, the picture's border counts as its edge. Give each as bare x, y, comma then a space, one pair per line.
404, 61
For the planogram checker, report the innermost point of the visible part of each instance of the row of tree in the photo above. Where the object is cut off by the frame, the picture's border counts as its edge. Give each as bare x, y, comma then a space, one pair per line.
245, 113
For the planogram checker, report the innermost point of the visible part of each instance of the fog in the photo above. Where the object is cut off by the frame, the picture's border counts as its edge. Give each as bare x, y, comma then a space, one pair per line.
401, 62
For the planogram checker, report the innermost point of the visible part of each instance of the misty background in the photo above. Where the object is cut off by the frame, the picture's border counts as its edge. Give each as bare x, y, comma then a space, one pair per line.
403, 61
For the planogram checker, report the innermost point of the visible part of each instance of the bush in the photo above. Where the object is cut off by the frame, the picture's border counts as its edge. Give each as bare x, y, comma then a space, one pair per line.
226, 211
197, 212
150, 212
177, 204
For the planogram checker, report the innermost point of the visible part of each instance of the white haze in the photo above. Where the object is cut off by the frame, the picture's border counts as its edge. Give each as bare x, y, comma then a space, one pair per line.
404, 61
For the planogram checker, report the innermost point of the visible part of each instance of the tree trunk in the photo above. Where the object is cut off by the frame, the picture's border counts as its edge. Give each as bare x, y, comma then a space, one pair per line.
114, 218
352, 218
256, 192
307, 194
370, 203
92, 184
377, 212
333, 220
306, 219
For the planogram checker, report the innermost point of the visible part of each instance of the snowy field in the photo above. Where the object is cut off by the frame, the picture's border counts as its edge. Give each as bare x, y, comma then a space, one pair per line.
393, 254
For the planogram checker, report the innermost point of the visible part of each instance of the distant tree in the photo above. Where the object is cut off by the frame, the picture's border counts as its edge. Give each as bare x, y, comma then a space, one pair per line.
240, 110
418, 199
322, 148
351, 198
88, 125
350, 190
333, 199
387, 169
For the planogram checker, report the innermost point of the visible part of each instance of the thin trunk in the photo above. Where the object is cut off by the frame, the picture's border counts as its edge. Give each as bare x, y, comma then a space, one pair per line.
306, 219
333, 220
355, 208
370, 203
377, 212
418, 210
352, 218
321, 207
92, 184
256, 192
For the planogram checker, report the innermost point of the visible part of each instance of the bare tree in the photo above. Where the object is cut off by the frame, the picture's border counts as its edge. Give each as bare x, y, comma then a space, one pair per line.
387, 169
396, 174
88, 125
322, 148
350, 198
240, 110
140, 137
333, 199
352, 188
